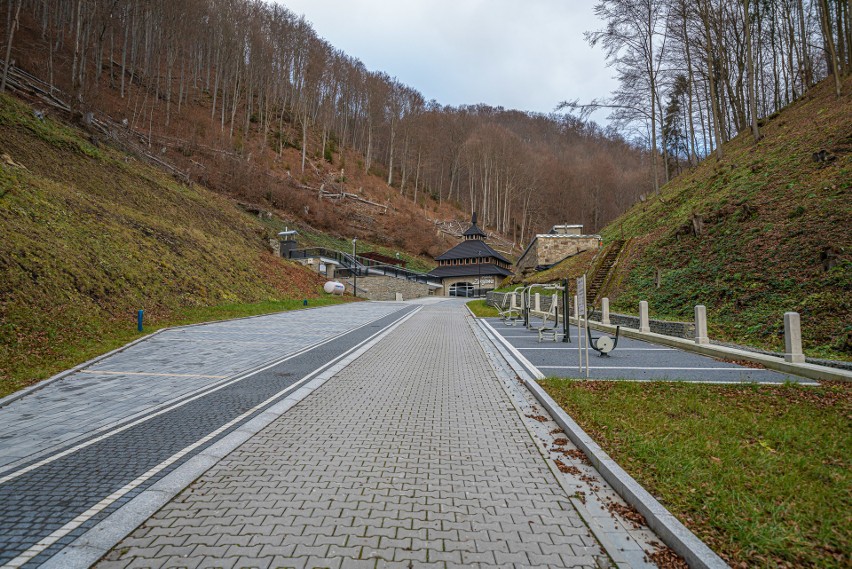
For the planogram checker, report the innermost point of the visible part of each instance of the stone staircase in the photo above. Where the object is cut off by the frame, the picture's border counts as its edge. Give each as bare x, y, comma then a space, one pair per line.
601, 274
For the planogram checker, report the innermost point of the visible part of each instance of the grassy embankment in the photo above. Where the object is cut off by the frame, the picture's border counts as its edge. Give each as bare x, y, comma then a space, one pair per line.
769, 217
88, 236
762, 474
770, 213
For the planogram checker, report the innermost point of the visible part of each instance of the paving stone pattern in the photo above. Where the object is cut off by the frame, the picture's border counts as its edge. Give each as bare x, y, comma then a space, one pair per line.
413, 456
163, 368
40, 501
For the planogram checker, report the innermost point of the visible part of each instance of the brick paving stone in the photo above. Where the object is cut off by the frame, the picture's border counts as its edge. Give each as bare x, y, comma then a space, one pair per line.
419, 450
162, 368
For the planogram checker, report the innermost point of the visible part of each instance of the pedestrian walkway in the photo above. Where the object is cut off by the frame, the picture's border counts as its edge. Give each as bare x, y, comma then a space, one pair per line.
78, 473
412, 456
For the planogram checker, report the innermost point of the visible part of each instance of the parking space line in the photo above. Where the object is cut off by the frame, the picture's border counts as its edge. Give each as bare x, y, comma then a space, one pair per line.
651, 368
574, 349
518, 356
105, 372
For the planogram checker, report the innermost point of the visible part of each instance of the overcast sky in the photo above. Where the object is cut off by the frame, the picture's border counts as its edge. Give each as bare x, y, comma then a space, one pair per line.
526, 55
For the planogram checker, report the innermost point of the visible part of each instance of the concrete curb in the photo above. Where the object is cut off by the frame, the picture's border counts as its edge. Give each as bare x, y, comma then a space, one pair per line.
665, 525
63, 374
810, 371
673, 533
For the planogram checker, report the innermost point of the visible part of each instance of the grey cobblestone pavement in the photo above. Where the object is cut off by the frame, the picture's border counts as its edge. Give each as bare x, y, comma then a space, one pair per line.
165, 367
412, 456
47, 505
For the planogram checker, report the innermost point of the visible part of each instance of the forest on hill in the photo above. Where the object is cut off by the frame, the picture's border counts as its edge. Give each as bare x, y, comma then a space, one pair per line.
89, 235
761, 232
244, 97
695, 73
254, 83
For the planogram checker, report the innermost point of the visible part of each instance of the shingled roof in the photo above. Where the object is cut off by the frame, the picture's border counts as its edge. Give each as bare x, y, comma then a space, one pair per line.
474, 231
472, 249
485, 270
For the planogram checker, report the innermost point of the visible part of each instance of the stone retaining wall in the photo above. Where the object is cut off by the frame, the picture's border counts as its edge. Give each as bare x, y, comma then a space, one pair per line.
385, 288
684, 330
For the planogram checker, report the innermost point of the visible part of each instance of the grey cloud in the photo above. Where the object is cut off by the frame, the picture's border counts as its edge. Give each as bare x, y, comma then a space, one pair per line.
528, 55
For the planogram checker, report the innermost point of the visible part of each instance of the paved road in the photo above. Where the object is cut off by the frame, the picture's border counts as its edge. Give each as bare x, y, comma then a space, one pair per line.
82, 447
165, 367
632, 359
412, 456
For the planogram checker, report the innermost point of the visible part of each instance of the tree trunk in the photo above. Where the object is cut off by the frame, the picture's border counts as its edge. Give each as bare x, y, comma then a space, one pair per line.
304, 136
390, 145
751, 79
693, 160
11, 37
711, 74
806, 60
833, 67
653, 86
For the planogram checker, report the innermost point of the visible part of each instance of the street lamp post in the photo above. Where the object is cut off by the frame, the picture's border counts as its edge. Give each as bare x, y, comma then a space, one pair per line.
355, 266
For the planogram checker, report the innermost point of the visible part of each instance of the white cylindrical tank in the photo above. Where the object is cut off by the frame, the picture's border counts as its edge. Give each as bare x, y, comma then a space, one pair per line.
334, 287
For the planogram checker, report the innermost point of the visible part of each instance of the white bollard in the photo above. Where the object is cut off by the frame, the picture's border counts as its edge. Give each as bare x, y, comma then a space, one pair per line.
701, 325
537, 302
644, 326
605, 311
793, 338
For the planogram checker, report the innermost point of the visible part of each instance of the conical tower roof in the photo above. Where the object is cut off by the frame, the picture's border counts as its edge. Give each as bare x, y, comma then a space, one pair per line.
474, 232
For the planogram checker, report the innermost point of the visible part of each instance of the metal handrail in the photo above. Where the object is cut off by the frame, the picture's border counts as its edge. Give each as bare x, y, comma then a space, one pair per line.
361, 265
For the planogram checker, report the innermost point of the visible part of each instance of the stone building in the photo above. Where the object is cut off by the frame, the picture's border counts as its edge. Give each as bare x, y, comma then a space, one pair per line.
547, 249
472, 267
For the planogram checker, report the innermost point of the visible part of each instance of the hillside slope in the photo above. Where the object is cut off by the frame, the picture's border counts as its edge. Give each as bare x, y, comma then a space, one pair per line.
773, 234
89, 235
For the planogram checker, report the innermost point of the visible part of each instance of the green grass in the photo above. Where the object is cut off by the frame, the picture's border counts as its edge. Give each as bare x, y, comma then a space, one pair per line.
482, 310
104, 336
760, 473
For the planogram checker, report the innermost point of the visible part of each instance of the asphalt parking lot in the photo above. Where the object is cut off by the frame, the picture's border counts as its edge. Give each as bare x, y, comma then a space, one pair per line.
631, 360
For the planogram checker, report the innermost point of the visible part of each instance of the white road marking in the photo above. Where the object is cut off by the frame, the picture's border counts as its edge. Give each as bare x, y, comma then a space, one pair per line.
169, 406
574, 349
104, 372
701, 381
518, 356
651, 368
